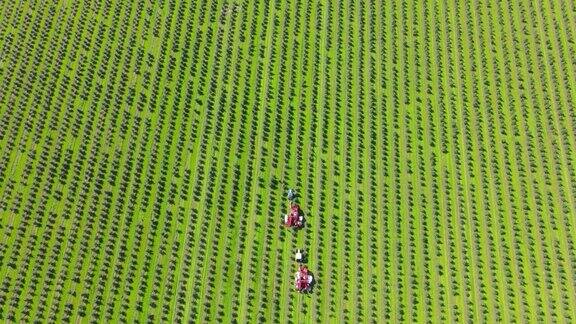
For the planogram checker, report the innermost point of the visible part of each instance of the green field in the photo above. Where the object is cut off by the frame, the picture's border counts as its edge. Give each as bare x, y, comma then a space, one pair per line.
146, 148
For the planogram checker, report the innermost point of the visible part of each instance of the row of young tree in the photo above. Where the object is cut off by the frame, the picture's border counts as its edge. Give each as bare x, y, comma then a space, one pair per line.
149, 145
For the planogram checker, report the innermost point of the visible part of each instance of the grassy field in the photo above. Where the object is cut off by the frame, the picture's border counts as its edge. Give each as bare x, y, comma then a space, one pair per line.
146, 148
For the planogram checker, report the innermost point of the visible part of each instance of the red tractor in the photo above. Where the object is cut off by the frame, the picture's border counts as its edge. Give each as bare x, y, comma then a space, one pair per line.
303, 279
294, 218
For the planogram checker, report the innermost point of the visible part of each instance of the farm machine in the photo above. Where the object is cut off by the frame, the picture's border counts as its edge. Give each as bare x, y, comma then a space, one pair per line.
294, 218
303, 279
291, 194
299, 256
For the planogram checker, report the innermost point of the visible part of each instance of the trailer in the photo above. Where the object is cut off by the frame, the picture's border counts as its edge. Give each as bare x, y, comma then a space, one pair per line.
294, 219
303, 279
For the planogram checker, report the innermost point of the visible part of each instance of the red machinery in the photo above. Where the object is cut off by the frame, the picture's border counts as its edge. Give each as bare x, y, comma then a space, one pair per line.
294, 218
303, 279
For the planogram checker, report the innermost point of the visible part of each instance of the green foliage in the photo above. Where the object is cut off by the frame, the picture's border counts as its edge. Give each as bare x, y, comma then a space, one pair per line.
147, 146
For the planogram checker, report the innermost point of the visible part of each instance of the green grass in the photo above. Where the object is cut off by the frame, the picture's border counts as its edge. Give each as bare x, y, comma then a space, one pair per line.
146, 148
